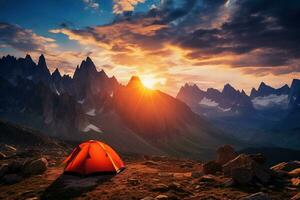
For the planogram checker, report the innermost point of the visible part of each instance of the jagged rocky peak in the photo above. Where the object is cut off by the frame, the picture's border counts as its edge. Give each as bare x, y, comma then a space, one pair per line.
135, 81
89, 65
86, 68
28, 58
102, 74
56, 74
42, 61
263, 86
244, 93
228, 88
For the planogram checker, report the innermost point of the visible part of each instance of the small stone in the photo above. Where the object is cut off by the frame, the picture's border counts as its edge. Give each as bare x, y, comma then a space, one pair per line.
2, 156
133, 181
160, 188
161, 197
175, 185
11, 178
10, 148
197, 187
257, 196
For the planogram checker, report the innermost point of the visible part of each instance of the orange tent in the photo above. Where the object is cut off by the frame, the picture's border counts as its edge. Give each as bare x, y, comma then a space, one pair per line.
93, 157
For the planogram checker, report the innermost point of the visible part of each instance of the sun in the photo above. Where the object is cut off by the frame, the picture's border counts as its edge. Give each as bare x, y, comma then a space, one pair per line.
148, 82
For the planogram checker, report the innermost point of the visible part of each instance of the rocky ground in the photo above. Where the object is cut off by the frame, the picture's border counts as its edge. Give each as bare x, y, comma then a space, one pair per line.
35, 175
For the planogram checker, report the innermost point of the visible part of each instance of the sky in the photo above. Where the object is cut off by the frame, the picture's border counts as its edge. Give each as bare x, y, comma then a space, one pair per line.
170, 42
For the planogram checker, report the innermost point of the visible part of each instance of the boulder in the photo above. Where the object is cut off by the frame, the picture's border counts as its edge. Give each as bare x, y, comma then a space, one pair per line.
262, 173
295, 172
295, 181
286, 166
225, 154
211, 167
4, 170
246, 167
11, 178
259, 158
162, 196
37, 166
257, 196
242, 175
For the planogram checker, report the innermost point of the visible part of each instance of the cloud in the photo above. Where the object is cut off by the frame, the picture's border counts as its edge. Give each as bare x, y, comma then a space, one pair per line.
259, 38
91, 4
121, 6
23, 39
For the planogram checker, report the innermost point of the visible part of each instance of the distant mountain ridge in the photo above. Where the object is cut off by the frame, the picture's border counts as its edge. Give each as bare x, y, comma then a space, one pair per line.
230, 99
267, 114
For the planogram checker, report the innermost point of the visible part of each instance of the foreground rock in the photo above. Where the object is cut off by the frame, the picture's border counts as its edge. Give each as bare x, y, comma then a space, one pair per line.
244, 168
33, 167
225, 154
211, 167
286, 166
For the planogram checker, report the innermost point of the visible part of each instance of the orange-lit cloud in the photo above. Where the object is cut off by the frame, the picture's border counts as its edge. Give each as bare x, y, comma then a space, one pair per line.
121, 6
210, 43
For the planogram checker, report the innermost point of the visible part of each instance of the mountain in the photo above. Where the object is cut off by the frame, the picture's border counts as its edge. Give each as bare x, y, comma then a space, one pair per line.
24, 137
166, 122
294, 96
265, 90
266, 116
92, 105
213, 103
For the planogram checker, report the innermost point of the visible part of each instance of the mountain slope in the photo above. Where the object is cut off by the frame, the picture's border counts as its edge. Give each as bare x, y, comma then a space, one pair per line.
166, 122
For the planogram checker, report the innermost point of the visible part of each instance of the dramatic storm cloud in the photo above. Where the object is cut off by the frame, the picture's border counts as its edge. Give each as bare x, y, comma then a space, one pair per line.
190, 40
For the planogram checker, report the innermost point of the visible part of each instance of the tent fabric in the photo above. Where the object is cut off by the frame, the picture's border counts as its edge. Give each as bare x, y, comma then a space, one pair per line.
93, 157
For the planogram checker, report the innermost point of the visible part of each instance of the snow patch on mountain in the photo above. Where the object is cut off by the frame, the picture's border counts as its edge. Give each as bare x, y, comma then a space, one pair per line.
81, 101
224, 109
270, 101
92, 127
208, 102
92, 112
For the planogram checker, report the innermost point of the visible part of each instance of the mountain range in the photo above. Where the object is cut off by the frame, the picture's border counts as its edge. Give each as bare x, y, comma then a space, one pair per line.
92, 105
267, 115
